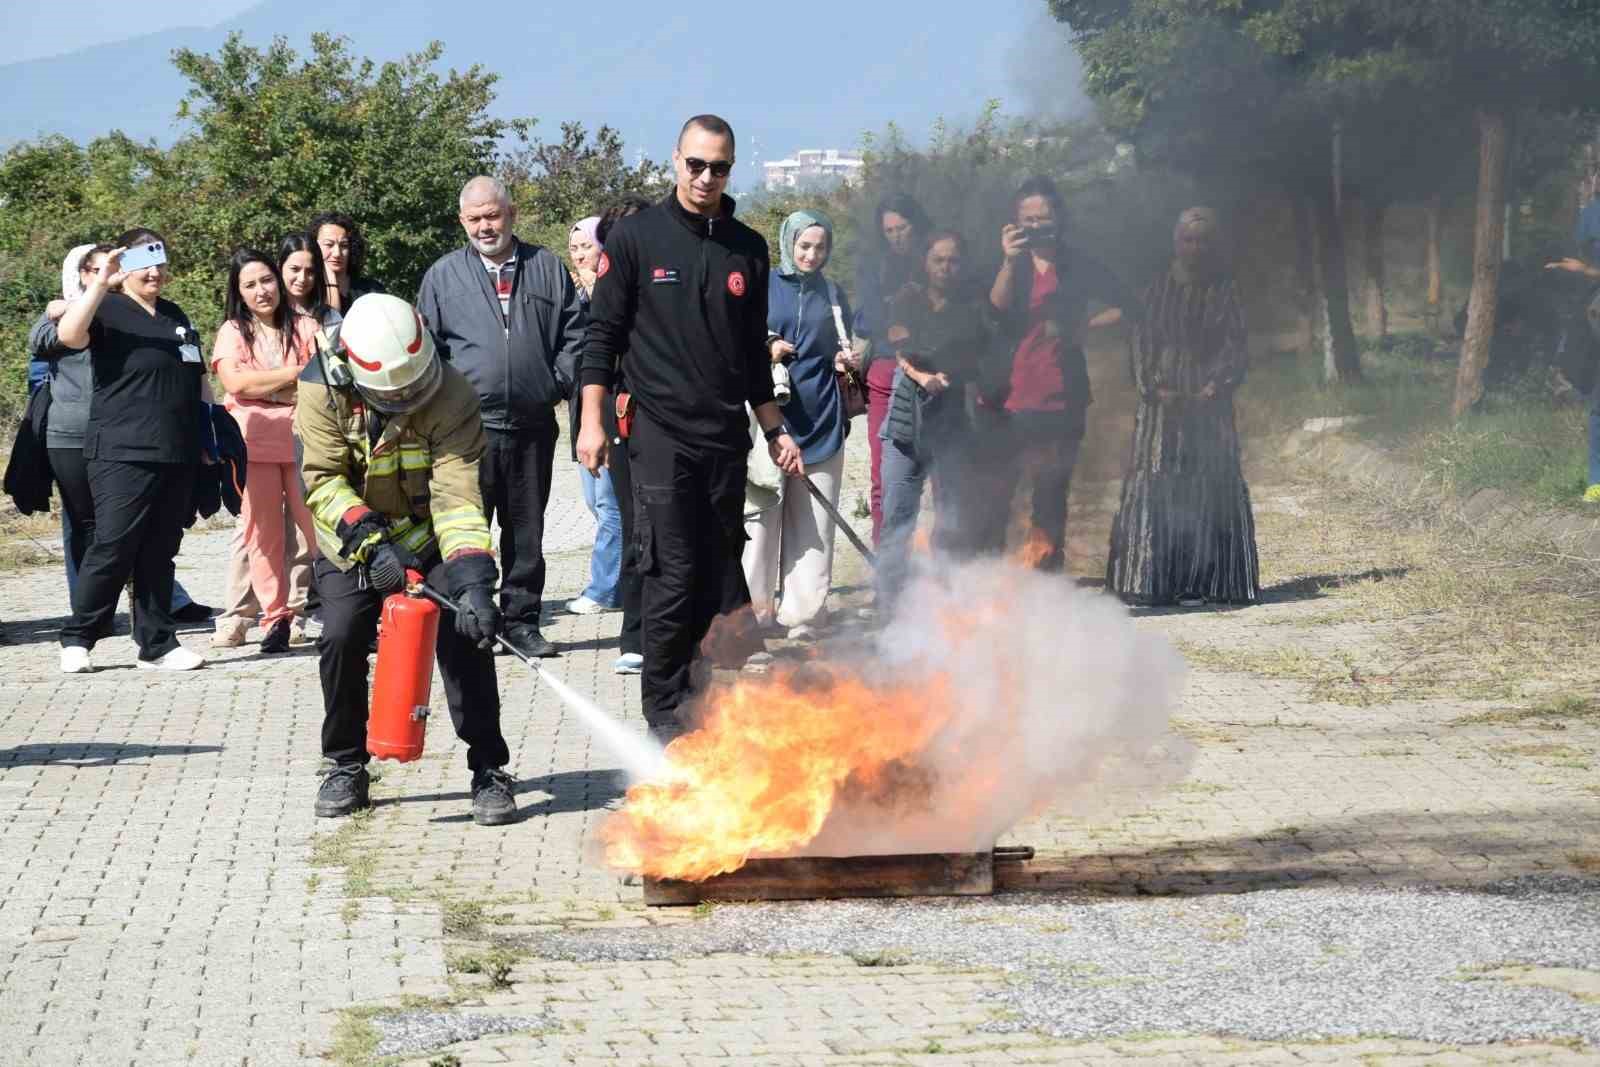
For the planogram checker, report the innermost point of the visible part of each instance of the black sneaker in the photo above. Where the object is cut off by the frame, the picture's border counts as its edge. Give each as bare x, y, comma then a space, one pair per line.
277, 639
493, 798
529, 641
343, 791
192, 613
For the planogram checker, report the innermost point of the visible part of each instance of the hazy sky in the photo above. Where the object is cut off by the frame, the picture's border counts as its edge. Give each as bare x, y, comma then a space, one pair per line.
38, 28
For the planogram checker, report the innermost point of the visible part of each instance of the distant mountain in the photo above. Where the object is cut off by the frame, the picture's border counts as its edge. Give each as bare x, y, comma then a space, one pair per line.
814, 76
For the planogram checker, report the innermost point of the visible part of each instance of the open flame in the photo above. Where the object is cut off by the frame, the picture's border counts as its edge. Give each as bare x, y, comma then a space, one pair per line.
994, 693
770, 762
1034, 549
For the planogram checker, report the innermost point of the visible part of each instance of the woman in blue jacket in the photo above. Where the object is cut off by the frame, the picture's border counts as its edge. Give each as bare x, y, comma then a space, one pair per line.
791, 544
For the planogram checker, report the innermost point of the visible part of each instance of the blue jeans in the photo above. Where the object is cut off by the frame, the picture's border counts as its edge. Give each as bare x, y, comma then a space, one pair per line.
605, 562
903, 478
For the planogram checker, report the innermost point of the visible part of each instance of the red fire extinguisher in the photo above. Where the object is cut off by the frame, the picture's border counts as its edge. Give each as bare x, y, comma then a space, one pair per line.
408, 634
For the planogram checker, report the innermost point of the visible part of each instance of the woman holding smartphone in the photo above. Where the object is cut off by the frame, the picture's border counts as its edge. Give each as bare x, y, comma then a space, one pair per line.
140, 444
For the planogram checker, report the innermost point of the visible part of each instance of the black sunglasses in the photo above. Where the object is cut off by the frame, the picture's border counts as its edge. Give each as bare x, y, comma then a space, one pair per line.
719, 169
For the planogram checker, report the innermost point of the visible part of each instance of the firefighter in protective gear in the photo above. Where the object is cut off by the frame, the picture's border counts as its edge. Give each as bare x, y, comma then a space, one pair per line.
390, 441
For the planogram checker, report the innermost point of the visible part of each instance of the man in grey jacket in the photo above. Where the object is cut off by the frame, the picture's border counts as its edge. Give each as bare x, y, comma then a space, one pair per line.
506, 315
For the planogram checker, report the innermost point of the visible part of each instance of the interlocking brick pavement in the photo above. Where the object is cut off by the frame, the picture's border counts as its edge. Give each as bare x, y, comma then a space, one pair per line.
160, 900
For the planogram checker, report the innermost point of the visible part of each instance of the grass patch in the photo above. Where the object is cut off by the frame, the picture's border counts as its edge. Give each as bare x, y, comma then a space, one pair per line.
1552, 713
349, 847
888, 957
1444, 609
355, 1039
495, 964
464, 918
1518, 439
27, 540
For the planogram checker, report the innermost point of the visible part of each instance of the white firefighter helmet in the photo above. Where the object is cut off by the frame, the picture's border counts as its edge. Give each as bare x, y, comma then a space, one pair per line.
390, 353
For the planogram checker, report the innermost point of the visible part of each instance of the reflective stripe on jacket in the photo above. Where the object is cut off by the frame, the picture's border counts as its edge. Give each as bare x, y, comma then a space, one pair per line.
421, 473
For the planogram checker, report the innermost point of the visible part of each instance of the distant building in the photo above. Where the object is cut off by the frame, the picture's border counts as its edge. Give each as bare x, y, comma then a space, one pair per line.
812, 167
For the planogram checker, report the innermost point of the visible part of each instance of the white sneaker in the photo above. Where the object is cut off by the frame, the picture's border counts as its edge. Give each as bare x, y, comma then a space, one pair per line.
584, 606
802, 633
179, 659
75, 660
628, 663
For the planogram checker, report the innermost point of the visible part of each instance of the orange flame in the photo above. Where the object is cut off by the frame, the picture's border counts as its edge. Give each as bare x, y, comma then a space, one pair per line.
1034, 550
762, 774
922, 541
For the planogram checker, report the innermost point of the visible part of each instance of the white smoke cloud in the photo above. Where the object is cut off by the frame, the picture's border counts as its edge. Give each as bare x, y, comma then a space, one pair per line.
1059, 701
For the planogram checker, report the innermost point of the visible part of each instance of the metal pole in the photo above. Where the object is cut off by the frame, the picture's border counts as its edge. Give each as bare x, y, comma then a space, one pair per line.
833, 513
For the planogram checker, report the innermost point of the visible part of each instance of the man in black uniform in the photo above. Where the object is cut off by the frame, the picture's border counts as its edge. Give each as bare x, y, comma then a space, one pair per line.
681, 300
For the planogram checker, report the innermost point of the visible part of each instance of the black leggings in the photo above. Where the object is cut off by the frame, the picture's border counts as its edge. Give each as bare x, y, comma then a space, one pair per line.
72, 475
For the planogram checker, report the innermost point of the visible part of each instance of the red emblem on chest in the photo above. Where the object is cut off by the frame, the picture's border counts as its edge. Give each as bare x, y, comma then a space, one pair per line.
736, 283
603, 266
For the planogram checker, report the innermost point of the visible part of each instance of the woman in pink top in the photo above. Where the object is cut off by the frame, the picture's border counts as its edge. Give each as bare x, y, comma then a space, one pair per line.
259, 352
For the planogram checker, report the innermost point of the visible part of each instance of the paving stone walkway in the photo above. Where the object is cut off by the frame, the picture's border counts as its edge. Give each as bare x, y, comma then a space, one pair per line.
167, 897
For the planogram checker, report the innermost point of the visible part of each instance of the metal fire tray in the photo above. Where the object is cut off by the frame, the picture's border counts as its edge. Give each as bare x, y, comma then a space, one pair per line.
933, 874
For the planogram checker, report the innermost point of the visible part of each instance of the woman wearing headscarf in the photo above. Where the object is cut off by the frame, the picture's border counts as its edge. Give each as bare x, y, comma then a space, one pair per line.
599, 494
1185, 532
791, 543
70, 376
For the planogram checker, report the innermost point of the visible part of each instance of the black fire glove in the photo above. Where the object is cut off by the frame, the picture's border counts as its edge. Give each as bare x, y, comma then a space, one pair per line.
477, 619
386, 567
359, 531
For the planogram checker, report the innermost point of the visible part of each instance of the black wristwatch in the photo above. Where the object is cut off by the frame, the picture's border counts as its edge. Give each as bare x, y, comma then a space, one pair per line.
775, 433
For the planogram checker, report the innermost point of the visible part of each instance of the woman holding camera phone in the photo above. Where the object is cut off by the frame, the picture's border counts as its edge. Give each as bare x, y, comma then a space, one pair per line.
792, 542
141, 442
1033, 418
259, 353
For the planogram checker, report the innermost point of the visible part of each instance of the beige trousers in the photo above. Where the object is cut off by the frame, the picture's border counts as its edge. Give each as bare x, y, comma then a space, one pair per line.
241, 598
788, 559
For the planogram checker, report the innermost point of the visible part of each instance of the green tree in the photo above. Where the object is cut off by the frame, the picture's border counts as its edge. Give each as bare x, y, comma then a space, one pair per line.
279, 138
1287, 73
556, 184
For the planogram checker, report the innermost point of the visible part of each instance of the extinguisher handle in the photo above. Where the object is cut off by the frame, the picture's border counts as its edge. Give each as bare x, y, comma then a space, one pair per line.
447, 604
415, 581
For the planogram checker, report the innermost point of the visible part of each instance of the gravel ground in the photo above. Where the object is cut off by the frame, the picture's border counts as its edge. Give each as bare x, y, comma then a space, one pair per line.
1280, 965
411, 1033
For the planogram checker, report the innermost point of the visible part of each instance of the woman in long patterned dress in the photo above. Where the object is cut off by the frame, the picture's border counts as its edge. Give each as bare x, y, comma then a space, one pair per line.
1185, 532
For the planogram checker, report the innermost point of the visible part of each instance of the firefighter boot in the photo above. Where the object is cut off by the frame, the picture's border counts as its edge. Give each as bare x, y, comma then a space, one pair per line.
493, 798
343, 791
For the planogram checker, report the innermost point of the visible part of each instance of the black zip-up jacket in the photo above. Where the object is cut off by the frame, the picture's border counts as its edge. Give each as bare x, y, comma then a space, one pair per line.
522, 367
681, 301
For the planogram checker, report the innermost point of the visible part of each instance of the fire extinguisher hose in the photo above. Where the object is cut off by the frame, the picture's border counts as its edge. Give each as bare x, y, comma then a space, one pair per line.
450, 605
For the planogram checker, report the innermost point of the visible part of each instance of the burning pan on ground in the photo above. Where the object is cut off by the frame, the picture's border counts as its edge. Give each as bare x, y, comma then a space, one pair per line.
933, 874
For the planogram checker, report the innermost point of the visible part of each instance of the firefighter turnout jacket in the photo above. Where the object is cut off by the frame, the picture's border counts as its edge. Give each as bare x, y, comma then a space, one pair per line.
419, 471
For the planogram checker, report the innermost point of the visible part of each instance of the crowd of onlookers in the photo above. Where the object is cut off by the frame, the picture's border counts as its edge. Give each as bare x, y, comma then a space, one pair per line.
972, 382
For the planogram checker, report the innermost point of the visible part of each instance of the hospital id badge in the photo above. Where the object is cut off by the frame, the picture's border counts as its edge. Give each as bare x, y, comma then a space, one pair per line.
191, 353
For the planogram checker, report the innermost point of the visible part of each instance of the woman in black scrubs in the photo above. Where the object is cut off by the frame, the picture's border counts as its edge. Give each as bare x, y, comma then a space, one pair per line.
141, 444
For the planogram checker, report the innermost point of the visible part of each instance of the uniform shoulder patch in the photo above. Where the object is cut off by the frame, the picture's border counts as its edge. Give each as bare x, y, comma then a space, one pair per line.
603, 266
736, 284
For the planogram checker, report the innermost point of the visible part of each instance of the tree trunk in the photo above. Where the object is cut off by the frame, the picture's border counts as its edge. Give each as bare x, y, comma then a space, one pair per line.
1487, 235
1341, 359
1435, 208
1372, 249
1305, 270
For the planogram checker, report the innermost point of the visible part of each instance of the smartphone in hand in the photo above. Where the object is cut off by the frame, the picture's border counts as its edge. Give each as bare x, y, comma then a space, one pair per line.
139, 257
